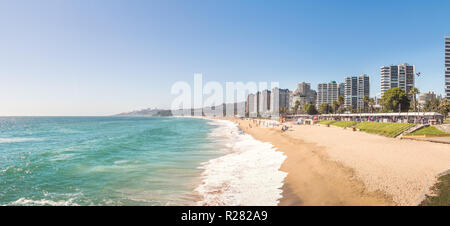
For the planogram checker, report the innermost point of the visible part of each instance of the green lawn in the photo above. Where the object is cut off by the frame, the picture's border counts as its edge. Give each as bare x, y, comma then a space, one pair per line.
326, 122
447, 121
385, 129
430, 130
441, 192
344, 124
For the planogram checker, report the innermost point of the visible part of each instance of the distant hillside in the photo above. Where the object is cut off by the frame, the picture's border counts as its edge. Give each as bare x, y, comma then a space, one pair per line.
160, 113
147, 112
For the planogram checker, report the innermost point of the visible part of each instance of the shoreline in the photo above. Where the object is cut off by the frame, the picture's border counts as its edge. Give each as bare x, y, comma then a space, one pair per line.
333, 166
247, 174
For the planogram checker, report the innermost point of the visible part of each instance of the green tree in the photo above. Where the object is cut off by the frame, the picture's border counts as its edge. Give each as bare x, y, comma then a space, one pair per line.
431, 105
395, 100
351, 109
371, 104
296, 106
366, 103
413, 92
325, 108
341, 102
310, 109
335, 106
444, 107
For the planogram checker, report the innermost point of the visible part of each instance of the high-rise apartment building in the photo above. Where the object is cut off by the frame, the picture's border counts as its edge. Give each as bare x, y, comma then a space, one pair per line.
363, 89
264, 103
356, 88
401, 75
327, 93
252, 105
342, 89
351, 92
304, 94
303, 88
280, 99
447, 67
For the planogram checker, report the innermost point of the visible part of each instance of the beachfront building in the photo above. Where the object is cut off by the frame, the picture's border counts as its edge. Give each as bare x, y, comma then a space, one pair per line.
303, 88
356, 88
293, 99
252, 105
401, 75
303, 100
424, 97
341, 88
303, 94
351, 92
264, 103
447, 67
279, 100
363, 90
327, 93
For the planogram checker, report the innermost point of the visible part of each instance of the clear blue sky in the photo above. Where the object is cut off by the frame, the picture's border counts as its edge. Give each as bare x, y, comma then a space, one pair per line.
92, 57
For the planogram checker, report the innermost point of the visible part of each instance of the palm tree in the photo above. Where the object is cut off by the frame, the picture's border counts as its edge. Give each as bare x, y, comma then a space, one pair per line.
341, 103
414, 91
365, 101
371, 103
336, 106
296, 106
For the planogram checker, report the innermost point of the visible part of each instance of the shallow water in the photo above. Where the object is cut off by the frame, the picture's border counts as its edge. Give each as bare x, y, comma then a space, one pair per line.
134, 161
101, 160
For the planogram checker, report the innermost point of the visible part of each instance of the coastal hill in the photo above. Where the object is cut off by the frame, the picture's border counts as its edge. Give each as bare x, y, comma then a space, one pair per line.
155, 112
147, 112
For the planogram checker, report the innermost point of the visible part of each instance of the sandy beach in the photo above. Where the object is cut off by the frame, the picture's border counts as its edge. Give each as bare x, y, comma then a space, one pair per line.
334, 166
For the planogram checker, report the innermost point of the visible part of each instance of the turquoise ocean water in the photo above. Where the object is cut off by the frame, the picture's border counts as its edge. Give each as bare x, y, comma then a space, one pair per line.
103, 160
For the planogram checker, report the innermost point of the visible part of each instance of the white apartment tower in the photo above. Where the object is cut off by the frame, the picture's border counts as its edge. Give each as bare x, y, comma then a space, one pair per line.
447, 67
279, 100
264, 103
327, 93
351, 92
363, 90
252, 105
356, 88
401, 75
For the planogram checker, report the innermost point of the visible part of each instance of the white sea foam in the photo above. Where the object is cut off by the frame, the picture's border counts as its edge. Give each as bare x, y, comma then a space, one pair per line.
42, 202
248, 175
17, 140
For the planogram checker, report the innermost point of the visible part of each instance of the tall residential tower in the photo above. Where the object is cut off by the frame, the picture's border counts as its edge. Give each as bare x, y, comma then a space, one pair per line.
401, 75
327, 93
447, 67
356, 88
